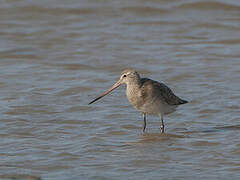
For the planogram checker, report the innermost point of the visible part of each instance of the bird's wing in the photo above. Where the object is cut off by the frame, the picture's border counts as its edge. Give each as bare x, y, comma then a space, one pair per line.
153, 89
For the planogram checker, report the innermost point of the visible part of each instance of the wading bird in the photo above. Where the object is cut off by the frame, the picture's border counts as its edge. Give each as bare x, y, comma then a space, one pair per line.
147, 96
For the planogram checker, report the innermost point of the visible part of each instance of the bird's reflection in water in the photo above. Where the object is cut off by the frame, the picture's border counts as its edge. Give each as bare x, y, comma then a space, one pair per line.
157, 137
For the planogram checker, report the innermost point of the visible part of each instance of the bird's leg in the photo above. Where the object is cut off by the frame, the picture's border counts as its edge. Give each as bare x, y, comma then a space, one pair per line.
162, 125
144, 122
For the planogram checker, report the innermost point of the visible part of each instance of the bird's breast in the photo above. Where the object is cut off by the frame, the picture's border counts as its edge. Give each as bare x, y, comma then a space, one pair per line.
134, 97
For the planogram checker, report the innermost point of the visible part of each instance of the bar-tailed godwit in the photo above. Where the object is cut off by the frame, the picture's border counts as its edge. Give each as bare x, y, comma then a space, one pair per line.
147, 96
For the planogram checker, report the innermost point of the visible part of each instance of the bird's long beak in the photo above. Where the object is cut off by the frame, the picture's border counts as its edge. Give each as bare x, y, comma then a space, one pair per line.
117, 84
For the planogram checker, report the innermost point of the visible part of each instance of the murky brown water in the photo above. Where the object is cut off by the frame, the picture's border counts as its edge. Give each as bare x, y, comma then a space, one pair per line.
56, 56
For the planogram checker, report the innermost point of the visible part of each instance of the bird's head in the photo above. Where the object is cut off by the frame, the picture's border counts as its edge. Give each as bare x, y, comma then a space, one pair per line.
128, 76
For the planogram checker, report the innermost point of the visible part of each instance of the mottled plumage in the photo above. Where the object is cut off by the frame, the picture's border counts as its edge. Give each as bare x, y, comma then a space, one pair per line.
162, 90
147, 96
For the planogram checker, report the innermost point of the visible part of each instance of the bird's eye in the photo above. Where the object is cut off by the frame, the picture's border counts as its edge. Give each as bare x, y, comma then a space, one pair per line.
124, 75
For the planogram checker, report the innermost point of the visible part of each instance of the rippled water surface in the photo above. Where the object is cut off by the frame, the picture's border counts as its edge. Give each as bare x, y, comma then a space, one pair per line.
57, 56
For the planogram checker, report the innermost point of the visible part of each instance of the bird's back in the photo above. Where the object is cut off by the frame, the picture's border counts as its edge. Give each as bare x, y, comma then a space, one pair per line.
151, 89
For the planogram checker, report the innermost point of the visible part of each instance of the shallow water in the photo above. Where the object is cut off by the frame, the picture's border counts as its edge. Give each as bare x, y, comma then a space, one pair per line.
56, 56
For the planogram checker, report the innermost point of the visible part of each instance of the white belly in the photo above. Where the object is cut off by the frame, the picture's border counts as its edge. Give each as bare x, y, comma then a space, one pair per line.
154, 106
157, 108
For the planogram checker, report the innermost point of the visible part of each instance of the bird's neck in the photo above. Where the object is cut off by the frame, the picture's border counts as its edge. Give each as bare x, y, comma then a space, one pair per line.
133, 86
132, 92
134, 83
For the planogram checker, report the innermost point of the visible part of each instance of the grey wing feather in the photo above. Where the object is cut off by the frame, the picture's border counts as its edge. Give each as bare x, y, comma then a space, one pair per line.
162, 91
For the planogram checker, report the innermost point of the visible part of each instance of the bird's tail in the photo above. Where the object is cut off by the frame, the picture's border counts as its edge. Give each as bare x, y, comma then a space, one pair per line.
183, 101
